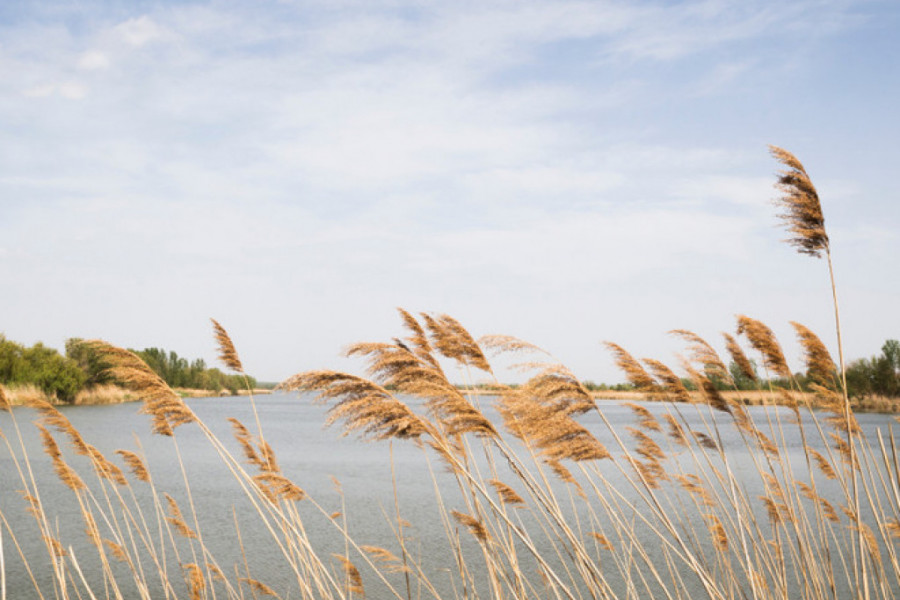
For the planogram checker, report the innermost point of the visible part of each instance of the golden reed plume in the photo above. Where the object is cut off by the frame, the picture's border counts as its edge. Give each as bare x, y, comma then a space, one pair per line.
634, 372
386, 559
160, 401
363, 405
800, 202
196, 581
65, 473
739, 358
177, 519
475, 526
135, 464
819, 365
354, 579
258, 587
671, 383
398, 366
548, 427
227, 354
452, 340
764, 341
506, 493
557, 387
704, 354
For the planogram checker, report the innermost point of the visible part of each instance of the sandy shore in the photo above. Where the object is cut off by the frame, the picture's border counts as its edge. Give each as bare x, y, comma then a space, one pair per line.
107, 394
880, 404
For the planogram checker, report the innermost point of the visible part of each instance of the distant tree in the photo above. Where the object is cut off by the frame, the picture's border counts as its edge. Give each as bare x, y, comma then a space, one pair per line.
88, 361
688, 384
54, 373
41, 366
879, 375
181, 373
12, 362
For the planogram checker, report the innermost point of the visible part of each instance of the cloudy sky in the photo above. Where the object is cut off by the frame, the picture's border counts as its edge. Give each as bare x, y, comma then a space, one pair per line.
565, 172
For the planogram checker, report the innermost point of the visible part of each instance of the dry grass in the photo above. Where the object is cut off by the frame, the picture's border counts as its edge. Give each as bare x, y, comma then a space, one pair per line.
746, 397
104, 394
877, 404
21, 395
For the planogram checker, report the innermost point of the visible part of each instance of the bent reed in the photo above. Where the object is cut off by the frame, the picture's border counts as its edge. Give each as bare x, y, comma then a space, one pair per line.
700, 497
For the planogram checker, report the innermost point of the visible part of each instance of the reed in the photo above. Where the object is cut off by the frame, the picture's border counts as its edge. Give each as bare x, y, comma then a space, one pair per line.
538, 493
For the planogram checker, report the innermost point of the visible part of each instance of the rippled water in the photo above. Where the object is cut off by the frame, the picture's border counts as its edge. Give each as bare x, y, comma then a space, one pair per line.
311, 456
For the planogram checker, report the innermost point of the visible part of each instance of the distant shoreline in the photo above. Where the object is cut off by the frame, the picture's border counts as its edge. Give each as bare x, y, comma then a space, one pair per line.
109, 394
871, 404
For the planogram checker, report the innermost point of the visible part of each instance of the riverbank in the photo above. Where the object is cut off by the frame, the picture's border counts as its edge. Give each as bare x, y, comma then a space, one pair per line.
872, 404
194, 393
107, 394
112, 394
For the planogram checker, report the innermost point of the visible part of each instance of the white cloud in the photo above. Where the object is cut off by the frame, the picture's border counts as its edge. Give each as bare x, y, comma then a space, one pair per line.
751, 192
93, 60
40, 91
71, 90
139, 31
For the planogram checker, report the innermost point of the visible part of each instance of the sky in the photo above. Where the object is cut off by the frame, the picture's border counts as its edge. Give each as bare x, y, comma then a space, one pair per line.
561, 171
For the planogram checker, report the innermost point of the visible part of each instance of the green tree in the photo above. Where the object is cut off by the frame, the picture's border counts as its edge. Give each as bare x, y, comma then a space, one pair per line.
12, 363
878, 375
54, 373
179, 372
39, 365
88, 361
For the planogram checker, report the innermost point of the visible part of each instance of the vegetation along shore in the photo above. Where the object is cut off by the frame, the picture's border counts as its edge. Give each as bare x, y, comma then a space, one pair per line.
79, 377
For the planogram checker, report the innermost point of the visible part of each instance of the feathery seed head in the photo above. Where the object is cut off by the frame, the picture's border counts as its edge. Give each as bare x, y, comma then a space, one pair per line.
634, 372
802, 211
164, 405
475, 526
506, 493
362, 405
819, 365
354, 579
739, 358
764, 341
135, 464
258, 586
452, 340
227, 353
671, 383
704, 354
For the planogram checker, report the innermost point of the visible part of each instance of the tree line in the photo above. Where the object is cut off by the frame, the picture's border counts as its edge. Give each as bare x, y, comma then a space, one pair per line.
63, 376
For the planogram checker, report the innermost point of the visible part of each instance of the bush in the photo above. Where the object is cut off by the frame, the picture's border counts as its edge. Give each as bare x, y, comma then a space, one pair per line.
879, 375
44, 367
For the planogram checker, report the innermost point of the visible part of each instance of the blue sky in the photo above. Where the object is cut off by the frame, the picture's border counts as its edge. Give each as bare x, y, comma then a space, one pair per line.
565, 172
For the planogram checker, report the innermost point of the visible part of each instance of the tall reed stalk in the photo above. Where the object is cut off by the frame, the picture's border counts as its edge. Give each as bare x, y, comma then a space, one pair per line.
804, 219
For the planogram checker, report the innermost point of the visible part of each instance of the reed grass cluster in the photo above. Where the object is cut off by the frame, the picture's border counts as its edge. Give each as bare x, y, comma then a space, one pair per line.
547, 498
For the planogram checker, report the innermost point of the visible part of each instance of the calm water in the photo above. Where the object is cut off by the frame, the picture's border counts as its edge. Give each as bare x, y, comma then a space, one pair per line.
310, 455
